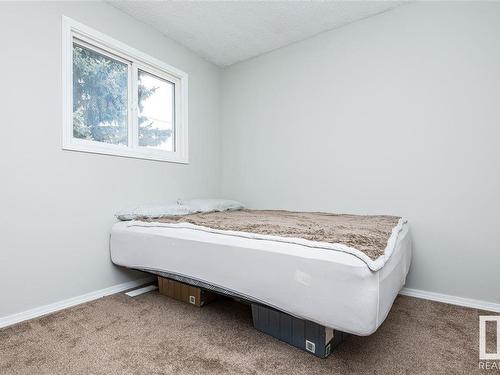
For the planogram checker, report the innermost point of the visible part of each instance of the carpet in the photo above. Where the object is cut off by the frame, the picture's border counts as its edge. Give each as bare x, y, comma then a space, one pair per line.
153, 334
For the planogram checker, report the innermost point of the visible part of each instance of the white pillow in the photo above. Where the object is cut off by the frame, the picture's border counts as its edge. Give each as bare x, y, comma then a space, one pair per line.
210, 205
153, 212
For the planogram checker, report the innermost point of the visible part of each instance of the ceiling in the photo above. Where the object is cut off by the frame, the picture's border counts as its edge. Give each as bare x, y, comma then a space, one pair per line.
225, 32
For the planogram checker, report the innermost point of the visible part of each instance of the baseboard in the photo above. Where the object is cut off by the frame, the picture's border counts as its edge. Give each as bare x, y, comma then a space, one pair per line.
466, 302
53, 307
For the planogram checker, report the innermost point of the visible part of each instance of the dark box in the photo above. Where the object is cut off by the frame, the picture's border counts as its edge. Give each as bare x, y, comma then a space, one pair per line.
303, 334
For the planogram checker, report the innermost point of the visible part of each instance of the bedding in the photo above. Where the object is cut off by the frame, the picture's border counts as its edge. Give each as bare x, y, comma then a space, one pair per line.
368, 237
153, 211
210, 205
179, 208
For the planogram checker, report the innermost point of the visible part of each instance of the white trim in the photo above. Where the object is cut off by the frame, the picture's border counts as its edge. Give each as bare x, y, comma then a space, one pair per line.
135, 60
56, 306
121, 150
452, 300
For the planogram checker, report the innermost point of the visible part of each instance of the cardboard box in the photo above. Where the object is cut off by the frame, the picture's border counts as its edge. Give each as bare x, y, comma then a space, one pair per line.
185, 292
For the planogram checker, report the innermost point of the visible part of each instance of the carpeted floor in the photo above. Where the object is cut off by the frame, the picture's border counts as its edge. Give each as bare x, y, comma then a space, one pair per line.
152, 334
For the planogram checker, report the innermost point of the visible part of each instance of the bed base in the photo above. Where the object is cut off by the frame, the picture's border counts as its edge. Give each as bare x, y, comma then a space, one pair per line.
303, 334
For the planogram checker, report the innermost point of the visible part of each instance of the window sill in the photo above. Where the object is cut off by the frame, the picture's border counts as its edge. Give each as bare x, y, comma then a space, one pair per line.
127, 152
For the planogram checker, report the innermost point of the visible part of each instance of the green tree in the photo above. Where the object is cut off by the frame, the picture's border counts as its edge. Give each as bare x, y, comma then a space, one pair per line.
100, 101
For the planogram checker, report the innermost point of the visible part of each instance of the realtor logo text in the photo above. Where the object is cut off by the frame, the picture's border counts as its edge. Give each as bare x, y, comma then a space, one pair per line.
491, 360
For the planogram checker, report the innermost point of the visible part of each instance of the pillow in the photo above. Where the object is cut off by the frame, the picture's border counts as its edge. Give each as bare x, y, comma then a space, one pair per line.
153, 212
210, 205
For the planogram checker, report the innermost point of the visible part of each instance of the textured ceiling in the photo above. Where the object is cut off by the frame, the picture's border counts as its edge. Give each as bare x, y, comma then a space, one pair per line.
226, 32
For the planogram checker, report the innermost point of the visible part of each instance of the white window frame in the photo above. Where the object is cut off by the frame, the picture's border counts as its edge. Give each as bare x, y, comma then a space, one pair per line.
135, 60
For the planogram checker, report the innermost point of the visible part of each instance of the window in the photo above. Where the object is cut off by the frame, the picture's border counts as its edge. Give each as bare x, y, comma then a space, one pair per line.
119, 101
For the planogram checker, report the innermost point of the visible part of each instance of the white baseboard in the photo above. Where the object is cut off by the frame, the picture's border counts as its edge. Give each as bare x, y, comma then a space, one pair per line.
466, 302
53, 307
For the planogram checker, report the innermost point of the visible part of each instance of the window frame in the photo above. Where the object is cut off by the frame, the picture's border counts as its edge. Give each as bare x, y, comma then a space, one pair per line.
135, 60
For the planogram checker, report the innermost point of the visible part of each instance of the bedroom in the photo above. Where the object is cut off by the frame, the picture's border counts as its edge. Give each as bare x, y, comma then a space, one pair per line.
362, 108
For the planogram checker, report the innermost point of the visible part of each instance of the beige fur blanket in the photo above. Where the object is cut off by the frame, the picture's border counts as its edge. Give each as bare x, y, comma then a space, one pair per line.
367, 234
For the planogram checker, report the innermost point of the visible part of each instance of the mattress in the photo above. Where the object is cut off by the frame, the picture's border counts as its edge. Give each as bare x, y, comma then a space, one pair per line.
332, 288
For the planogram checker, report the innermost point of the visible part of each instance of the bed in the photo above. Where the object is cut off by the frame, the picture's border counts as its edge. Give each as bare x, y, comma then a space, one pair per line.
331, 287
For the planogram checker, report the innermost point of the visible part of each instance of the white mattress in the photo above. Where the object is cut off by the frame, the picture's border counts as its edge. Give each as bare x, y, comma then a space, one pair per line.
332, 288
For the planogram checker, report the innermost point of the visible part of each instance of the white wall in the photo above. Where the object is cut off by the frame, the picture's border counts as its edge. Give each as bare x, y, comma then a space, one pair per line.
395, 114
57, 206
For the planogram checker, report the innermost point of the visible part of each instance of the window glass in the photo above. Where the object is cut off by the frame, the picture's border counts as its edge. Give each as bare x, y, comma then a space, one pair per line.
100, 97
156, 112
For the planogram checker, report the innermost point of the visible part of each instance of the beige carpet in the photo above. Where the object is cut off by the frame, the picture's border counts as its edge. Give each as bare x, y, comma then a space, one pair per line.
152, 334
